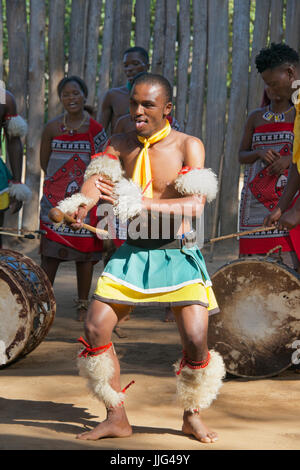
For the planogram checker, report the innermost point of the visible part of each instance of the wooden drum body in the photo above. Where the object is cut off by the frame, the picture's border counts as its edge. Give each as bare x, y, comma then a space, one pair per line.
27, 306
259, 317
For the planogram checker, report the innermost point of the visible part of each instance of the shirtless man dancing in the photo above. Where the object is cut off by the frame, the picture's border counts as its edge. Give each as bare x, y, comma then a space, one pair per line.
168, 166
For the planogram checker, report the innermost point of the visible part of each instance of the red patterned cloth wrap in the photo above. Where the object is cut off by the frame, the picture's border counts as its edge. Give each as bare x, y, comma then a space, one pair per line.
262, 191
69, 158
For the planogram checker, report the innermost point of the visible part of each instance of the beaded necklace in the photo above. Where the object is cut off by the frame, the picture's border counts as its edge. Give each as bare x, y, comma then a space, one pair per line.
278, 117
70, 130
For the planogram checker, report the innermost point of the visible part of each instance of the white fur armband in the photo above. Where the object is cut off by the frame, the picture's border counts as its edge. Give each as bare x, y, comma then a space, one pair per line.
129, 203
16, 126
71, 204
104, 165
202, 181
20, 191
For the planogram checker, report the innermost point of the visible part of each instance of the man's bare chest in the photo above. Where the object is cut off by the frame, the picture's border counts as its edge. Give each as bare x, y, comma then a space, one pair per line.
164, 168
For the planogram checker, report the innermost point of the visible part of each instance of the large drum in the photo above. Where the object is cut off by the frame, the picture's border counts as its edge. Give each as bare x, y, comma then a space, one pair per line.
259, 320
27, 306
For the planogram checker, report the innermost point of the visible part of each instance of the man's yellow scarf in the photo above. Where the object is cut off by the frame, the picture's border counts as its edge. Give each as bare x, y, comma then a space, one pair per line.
296, 146
142, 171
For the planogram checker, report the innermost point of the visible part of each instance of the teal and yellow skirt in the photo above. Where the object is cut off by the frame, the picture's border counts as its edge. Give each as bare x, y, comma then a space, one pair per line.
156, 277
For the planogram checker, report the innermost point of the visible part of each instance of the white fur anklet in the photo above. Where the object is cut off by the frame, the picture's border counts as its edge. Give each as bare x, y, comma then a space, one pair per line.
198, 386
99, 370
106, 165
129, 203
20, 191
202, 181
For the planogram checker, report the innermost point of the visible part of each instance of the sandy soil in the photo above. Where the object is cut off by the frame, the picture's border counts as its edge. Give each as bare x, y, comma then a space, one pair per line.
44, 403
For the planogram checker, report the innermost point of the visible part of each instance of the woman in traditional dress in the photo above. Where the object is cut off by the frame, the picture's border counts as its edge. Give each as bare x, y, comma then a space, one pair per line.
266, 152
68, 142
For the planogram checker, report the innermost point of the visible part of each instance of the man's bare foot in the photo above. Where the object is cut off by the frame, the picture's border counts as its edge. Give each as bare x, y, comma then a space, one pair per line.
169, 316
193, 425
115, 425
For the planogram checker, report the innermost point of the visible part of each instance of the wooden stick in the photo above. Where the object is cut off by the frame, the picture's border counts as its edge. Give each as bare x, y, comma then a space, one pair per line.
19, 235
217, 207
58, 216
18, 230
241, 234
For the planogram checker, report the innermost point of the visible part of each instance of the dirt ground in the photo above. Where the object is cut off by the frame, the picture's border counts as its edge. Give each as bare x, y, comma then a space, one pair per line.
44, 403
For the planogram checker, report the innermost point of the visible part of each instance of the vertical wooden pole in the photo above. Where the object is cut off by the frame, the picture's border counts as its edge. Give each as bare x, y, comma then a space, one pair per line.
260, 34
183, 62
104, 73
159, 37
236, 117
17, 52
78, 37
142, 23
170, 40
121, 38
216, 91
36, 109
276, 21
292, 32
198, 73
56, 54
91, 57
17, 29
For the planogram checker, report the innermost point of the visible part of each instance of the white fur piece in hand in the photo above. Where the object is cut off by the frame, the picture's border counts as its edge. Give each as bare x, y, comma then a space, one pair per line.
197, 388
129, 203
106, 166
17, 127
202, 181
20, 191
99, 370
71, 204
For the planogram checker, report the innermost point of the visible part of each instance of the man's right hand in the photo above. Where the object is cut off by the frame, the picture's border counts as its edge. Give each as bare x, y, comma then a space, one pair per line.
79, 216
273, 217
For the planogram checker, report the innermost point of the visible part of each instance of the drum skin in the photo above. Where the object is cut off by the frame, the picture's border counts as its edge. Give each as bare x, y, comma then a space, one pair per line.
27, 306
259, 319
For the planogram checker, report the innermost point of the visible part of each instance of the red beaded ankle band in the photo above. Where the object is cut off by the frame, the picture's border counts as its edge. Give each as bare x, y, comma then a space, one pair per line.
88, 351
192, 364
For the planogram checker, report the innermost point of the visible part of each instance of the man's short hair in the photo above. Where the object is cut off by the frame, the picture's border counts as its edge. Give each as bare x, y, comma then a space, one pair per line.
274, 56
153, 79
141, 51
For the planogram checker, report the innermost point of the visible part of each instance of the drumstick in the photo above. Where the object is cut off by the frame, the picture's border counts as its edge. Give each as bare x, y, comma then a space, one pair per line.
57, 216
22, 230
240, 234
19, 235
